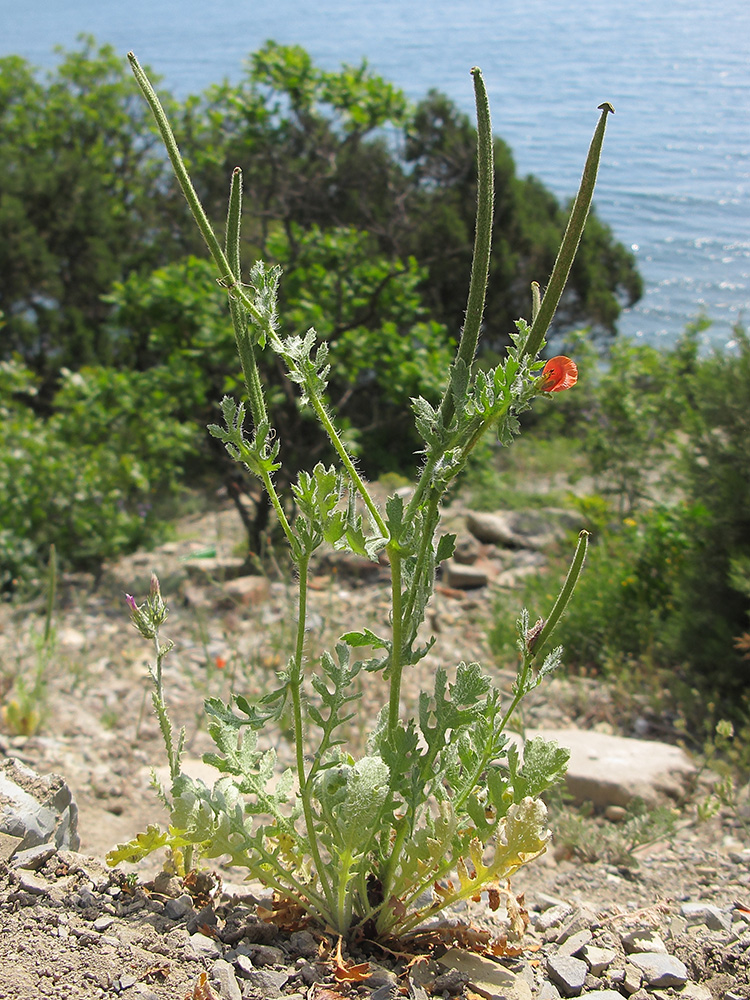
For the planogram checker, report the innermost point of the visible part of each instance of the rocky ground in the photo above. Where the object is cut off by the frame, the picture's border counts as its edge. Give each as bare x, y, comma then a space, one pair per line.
675, 923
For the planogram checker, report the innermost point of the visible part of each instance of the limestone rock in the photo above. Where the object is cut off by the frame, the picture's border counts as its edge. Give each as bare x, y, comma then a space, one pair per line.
524, 529
38, 809
568, 974
463, 577
247, 590
612, 770
660, 970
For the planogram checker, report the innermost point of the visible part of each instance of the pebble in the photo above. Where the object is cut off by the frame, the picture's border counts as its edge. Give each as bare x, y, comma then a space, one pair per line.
598, 959
552, 917
704, 913
548, 991
178, 908
244, 965
602, 995
266, 954
33, 858
266, 982
33, 883
103, 923
643, 939
304, 944
223, 974
660, 970
199, 946
574, 943
582, 920
631, 979
568, 974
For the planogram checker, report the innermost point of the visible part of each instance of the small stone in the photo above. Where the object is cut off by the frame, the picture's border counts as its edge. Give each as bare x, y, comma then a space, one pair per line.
575, 943
266, 954
103, 923
33, 858
247, 590
167, 884
598, 959
34, 884
308, 973
602, 995
244, 965
127, 981
706, 872
8, 847
199, 946
677, 926
704, 913
380, 976
304, 944
462, 577
690, 991
450, 982
266, 983
548, 991
616, 814
223, 974
581, 920
569, 974
178, 908
632, 980
660, 970
552, 917
206, 917
641, 940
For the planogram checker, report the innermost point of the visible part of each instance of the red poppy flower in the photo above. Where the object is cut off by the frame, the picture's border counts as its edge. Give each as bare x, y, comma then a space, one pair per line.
559, 373
220, 662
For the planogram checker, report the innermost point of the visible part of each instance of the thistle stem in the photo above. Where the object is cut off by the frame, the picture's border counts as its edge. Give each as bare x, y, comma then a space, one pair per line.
295, 684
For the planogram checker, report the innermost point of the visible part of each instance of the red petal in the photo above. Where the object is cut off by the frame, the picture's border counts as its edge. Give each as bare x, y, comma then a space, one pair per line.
559, 373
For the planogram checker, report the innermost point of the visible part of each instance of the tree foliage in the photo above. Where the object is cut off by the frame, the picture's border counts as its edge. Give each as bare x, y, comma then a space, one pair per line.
366, 202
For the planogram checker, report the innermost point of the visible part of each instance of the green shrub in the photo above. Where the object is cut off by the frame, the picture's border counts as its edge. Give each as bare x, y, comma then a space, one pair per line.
667, 434
93, 477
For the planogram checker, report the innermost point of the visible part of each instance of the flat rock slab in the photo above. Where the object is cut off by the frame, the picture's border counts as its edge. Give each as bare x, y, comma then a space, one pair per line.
36, 809
612, 770
660, 970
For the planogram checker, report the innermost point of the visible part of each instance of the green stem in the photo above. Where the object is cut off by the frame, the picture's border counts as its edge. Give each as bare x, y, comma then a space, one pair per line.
397, 664
51, 590
228, 268
346, 460
571, 239
564, 596
178, 166
479, 275
295, 684
480, 264
550, 625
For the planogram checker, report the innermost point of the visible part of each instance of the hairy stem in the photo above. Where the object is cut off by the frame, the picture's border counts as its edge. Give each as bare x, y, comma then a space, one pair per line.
346, 460
396, 665
295, 684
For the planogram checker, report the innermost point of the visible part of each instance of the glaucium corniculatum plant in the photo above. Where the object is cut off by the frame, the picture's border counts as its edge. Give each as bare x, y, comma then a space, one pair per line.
440, 808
